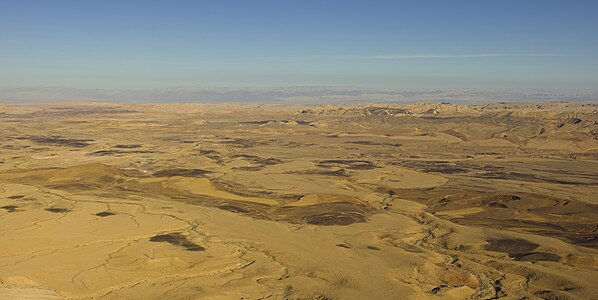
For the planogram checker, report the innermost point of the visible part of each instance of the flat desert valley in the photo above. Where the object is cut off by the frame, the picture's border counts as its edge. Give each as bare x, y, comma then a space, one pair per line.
231, 201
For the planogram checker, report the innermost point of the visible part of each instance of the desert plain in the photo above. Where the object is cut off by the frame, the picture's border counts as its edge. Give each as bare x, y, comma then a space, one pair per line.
243, 201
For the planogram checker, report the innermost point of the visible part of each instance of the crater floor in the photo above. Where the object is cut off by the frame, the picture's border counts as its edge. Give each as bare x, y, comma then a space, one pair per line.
417, 201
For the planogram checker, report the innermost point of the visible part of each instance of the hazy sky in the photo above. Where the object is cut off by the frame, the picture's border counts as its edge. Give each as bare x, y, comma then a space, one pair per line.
390, 44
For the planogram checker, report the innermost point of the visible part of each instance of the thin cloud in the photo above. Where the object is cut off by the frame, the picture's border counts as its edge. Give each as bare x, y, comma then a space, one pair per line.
440, 56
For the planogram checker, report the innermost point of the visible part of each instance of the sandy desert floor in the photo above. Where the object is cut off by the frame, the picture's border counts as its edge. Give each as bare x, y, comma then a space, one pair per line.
225, 201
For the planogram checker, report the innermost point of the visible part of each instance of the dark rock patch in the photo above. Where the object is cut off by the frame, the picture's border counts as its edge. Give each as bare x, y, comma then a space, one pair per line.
211, 154
105, 214
258, 160
505, 197
371, 143
241, 143
118, 152
259, 163
445, 170
177, 239
255, 122
349, 164
233, 208
439, 288
443, 167
338, 173
587, 240
304, 122
535, 256
335, 219
336, 213
132, 146
252, 168
572, 121
510, 245
57, 210
61, 141
181, 172
208, 152
525, 177
10, 208
497, 205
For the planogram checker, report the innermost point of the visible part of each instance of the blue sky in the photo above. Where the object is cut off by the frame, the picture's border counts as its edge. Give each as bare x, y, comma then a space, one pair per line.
387, 44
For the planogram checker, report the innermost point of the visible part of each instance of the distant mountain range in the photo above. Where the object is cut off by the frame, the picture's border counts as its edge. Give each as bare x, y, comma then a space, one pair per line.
290, 95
